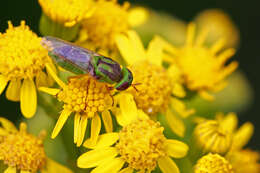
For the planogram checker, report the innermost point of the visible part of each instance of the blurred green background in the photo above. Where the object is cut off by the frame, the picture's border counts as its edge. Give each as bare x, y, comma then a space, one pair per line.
245, 15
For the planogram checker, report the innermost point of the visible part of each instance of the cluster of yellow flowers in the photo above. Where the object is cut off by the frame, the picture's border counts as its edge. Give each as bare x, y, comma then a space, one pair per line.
149, 127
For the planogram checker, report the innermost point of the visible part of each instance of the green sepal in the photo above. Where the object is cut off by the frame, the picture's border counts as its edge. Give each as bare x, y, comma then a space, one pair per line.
49, 27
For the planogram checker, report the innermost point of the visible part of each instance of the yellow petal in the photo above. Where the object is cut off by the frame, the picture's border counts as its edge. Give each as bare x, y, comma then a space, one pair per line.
61, 121
180, 108
107, 120
229, 122
96, 157
137, 45
218, 45
54, 167
178, 90
175, 148
126, 49
95, 128
82, 129
175, 123
205, 95
137, 16
28, 98
243, 135
41, 79
155, 52
3, 132
225, 55
104, 140
169, 48
54, 76
202, 37
51, 91
167, 165
7, 125
76, 126
190, 34
143, 115
111, 165
10, 170
127, 170
128, 109
13, 90
3, 83
25, 171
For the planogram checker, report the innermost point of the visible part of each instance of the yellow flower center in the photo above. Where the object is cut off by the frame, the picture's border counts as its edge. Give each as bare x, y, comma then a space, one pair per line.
23, 151
108, 19
86, 95
67, 12
198, 65
154, 87
213, 163
212, 137
244, 161
22, 55
141, 143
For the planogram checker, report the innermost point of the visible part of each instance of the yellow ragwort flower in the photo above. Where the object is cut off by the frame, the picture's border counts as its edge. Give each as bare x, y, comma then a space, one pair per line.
86, 97
66, 12
23, 152
140, 145
203, 68
210, 136
22, 64
244, 161
109, 19
221, 135
155, 84
213, 163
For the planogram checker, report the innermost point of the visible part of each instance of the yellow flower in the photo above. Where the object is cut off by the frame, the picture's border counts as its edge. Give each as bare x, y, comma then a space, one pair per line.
87, 98
109, 19
22, 64
244, 161
210, 136
140, 145
23, 152
156, 85
220, 135
240, 136
62, 18
203, 68
213, 163
66, 12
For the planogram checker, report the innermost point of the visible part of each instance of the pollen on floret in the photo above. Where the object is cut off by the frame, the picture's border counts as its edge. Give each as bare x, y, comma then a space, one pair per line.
86, 95
22, 56
23, 151
213, 163
141, 143
154, 87
66, 12
108, 19
210, 136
